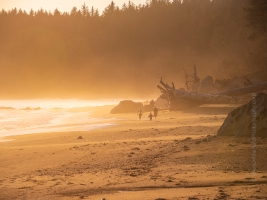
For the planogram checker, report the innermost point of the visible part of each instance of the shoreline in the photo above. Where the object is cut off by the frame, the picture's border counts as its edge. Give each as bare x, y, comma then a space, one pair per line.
76, 128
177, 156
92, 124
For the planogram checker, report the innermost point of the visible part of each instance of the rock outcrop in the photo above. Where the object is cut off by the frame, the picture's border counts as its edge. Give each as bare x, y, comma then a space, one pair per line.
149, 107
162, 102
247, 120
127, 106
6, 108
206, 85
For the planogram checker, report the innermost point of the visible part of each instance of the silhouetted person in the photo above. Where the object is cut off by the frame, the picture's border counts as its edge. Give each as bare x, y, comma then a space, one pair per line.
140, 113
150, 116
155, 110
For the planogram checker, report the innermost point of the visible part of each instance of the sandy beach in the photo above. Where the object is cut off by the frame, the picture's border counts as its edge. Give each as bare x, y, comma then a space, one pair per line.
176, 156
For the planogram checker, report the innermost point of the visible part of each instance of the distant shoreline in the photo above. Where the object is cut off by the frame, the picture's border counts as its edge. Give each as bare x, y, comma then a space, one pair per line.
18, 122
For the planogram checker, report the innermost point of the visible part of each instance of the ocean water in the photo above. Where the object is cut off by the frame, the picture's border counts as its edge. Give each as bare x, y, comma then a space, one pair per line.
49, 115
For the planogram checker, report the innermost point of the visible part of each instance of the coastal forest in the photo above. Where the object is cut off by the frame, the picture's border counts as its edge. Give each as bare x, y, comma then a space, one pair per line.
124, 51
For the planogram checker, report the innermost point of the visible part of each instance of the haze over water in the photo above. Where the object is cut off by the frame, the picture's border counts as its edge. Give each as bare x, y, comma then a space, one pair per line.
49, 115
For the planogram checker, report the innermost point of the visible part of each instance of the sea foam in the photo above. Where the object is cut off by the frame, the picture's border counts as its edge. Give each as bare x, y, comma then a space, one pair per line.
52, 115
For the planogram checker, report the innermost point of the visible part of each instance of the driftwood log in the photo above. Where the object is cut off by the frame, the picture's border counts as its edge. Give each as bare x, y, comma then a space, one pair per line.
180, 99
244, 90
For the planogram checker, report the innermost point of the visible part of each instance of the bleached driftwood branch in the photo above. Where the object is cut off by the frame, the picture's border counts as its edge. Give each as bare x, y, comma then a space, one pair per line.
180, 99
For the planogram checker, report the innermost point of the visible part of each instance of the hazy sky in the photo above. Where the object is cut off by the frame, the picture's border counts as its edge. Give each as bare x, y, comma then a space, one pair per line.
61, 5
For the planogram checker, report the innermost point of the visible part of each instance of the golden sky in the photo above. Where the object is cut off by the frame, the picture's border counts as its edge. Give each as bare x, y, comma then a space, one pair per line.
61, 5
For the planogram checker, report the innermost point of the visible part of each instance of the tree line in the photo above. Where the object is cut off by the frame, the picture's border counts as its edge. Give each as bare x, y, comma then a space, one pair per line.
126, 50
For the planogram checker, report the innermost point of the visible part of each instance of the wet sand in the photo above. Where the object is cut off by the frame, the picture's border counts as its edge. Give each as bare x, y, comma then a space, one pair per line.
176, 156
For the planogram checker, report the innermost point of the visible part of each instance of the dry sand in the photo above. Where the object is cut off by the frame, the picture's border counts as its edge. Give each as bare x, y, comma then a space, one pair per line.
176, 156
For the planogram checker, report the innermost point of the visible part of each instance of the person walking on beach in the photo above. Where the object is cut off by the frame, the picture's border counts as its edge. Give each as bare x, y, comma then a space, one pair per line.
150, 116
155, 110
140, 113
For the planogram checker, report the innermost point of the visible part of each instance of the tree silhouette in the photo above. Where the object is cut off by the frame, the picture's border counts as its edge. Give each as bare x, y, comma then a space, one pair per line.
130, 47
110, 9
85, 10
56, 13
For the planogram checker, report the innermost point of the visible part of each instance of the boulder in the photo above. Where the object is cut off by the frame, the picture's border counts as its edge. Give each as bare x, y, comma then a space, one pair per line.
206, 85
247, 120
162, 103
195, 87
6, 108
149, 107
220, 84
127, 106
28, 108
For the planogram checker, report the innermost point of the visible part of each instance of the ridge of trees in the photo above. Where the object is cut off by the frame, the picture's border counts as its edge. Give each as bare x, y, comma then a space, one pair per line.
84, 52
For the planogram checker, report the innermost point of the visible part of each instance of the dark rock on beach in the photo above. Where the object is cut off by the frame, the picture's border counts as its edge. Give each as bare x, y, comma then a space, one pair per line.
6, 108
149, 107
126, 106
248, 119
29, 108
207, 85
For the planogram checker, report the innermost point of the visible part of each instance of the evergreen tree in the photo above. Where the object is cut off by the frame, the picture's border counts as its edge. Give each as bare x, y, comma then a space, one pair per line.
110, 9
74, 11
56, 13
85, 10
158, 38
31, 13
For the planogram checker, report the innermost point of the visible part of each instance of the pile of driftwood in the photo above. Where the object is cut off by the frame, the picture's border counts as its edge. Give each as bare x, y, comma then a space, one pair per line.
180, 99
